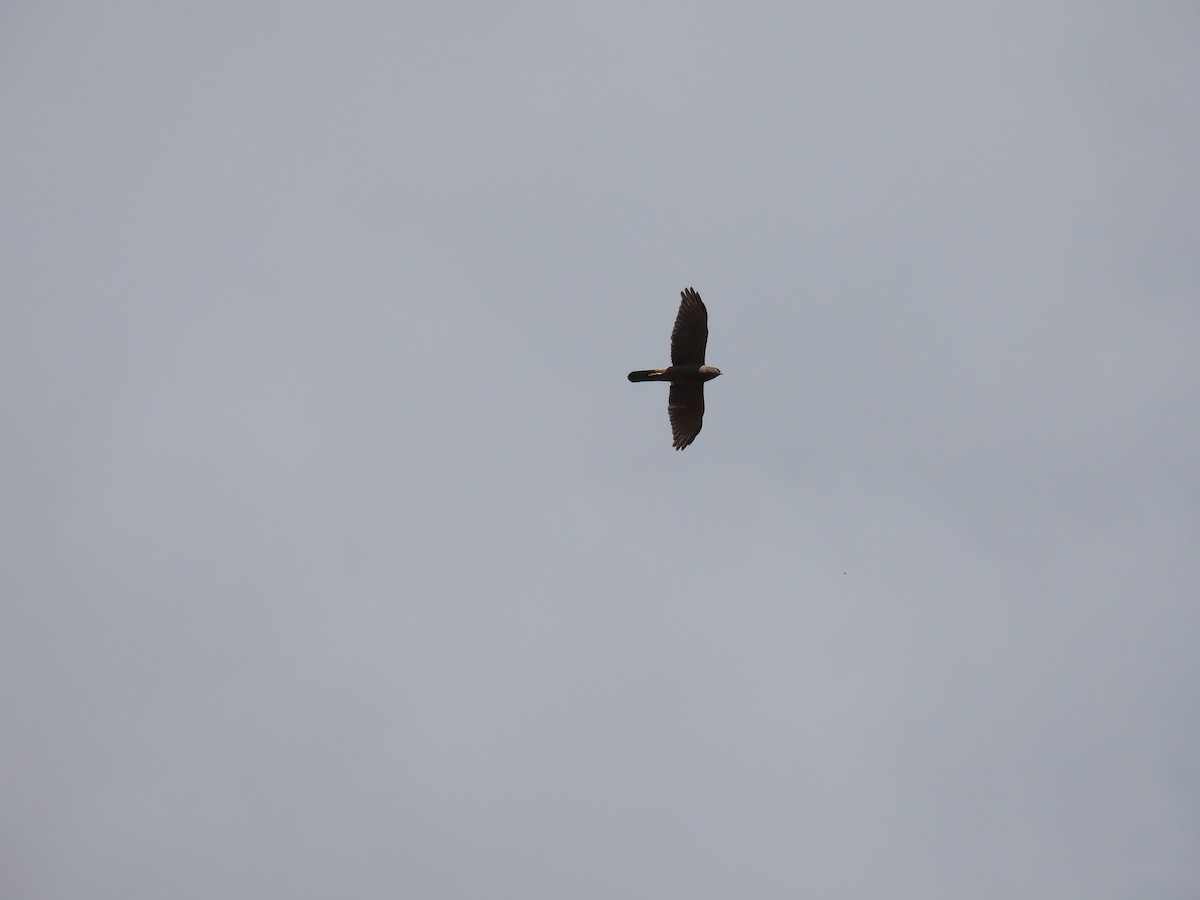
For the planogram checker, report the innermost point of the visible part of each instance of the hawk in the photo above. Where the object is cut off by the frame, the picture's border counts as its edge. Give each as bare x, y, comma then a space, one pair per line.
687, 372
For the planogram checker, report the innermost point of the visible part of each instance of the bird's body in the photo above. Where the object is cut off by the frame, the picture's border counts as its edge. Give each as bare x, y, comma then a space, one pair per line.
687, 372
677, 374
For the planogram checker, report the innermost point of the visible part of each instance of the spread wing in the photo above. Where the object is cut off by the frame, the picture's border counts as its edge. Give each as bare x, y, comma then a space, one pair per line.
686, 408
690, 335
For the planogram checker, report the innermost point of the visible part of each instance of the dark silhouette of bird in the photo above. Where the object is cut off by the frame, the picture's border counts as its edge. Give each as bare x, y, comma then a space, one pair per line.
687, 372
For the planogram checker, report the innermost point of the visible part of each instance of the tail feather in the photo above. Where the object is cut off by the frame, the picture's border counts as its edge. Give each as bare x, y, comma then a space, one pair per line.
645, 375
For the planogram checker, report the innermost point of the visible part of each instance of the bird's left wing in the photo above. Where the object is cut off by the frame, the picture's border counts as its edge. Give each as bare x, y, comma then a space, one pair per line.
686, 409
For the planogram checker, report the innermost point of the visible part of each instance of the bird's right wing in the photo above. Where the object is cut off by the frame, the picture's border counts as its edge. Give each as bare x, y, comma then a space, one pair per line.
690, 334
686, 409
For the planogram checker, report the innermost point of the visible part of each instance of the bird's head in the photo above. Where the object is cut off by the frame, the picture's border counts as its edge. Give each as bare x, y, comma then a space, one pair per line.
709, 372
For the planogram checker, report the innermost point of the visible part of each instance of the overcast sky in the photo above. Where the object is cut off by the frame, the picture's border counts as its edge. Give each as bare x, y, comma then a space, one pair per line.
341, 560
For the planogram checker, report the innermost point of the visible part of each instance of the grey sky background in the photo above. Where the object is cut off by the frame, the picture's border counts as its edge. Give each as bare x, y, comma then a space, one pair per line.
340, 559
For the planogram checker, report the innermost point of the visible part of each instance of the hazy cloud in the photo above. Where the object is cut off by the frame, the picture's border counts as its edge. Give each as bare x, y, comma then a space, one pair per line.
342, 560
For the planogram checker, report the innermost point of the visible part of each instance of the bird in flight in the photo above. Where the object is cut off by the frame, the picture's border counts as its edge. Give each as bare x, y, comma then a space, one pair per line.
687, 372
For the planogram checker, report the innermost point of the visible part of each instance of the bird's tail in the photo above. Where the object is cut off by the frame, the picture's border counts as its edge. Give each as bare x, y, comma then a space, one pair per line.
646, 375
